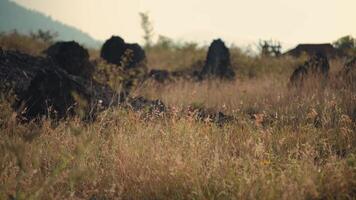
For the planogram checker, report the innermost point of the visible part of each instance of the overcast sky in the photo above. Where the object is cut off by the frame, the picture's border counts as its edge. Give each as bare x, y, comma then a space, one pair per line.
238, 21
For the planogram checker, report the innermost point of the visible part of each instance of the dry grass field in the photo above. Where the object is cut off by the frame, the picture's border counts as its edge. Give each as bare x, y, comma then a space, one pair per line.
284, 143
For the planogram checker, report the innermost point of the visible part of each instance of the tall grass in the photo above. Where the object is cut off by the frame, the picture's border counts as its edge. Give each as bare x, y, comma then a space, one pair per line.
286, 143
24, 43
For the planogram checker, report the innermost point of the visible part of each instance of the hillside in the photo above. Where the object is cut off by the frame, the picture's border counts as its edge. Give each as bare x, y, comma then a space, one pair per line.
14, 16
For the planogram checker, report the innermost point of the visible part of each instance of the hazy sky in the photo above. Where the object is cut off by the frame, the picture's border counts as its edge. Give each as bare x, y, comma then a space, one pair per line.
238, 21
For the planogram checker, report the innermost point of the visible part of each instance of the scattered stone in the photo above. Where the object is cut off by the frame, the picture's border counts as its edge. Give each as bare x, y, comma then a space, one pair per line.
42, 88
159, 75
116, 51
150, 106
189, 74
71, 57
209, 115
317, 67
218, 62
162, 76
192, 73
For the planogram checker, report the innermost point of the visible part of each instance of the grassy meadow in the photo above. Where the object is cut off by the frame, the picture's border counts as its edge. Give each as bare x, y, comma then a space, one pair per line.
284, 143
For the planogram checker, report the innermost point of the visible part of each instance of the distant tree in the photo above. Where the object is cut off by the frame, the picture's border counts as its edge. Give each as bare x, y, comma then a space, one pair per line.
165, 42
346, 44
45, 36
270, 48
147, 27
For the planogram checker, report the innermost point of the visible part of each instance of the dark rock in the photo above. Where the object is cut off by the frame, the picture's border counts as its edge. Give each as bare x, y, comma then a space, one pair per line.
43, 88
218, 62
52, 94
209, 115
71, 57
113, 49
134, 54
131, 60
189, 74
17, 70
317, 67
159, 75
220, 118
116, 51
192, 73
59, 95
312, 49
131, 78
142, 104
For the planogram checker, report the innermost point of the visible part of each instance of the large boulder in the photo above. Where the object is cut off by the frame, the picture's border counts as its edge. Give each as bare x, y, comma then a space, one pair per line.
17, 70
218, 62
53, 94
116, 51
316, 67
42, 88
71, 57
130, 59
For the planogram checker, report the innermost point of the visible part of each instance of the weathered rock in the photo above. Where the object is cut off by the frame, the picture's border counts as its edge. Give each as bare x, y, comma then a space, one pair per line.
190, 74
71, 57
113, 49
316, 67
209, 115
17, 70
134, 55
52, 94
116, 51
159, 75
312, 49
43, 88
142, 104
218, 62
131, 60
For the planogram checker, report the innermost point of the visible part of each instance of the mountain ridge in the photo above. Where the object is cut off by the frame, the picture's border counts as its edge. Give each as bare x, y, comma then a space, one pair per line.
16, 17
